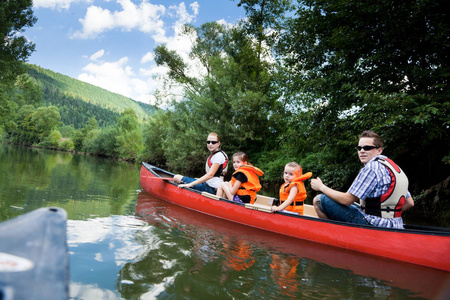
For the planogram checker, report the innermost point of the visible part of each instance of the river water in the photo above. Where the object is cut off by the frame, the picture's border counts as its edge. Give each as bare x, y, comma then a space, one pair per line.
126, 244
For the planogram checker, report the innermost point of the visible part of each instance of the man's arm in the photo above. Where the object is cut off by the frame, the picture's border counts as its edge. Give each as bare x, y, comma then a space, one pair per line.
346, 199
408, 203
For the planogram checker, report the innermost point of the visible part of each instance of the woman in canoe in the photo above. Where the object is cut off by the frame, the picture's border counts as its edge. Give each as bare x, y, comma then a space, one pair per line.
215, 167
244, 182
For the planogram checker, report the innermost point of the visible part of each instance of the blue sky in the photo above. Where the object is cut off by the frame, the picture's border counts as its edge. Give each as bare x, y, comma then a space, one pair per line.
110, 43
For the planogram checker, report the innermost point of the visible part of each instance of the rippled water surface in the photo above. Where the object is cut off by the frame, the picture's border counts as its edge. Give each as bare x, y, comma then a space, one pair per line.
126, 244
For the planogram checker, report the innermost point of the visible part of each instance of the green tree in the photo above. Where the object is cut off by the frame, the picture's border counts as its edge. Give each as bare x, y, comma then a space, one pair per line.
90, 144
129, 135
24, 130
24, 91
46, 119
67, 145
32, 126
234, 98
264, 22
52, 140
67, 131
14, 50
15, 16
381, 65
155, 136
81, 135
106, 142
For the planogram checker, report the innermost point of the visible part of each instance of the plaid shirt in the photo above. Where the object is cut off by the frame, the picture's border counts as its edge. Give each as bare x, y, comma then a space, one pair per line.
373, 181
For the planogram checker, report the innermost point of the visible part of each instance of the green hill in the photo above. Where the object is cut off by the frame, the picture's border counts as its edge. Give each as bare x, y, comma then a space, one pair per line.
77, 101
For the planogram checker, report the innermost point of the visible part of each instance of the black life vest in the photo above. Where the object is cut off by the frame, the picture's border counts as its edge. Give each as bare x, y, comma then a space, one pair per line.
222, 171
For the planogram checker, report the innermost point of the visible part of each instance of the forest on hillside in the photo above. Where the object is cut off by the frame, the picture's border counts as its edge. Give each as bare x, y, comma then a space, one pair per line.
58, 112
91, 96
75, 112
293, 81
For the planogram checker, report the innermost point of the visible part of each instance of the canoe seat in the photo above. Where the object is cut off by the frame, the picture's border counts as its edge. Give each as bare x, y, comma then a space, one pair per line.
262, 203
209, 195
308, 210
259, 207
264, 200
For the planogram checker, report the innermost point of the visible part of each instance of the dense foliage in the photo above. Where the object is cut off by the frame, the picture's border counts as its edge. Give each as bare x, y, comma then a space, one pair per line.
381, 65
15, 16
77, 112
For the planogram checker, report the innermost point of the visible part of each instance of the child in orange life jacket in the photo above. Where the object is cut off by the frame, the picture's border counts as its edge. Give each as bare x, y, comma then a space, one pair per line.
292, 191
244, 182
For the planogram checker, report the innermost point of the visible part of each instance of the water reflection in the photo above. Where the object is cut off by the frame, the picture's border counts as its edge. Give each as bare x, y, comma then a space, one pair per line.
200, 257
284, 273
99, 248
84, 186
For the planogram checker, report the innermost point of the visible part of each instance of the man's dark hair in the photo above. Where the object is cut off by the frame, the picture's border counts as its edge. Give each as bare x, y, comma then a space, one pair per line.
377, 141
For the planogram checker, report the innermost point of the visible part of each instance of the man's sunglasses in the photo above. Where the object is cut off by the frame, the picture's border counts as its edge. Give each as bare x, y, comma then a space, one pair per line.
366, 148
212, 142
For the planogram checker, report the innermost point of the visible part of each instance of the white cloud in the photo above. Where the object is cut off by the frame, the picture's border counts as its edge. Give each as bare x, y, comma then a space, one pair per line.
118, 77
154, 71
195, 7
150, 56
182, 14
145, 17
56, 4
97, 55
96, 21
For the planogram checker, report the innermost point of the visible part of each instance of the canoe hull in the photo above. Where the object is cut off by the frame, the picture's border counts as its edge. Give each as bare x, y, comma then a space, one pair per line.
426, 248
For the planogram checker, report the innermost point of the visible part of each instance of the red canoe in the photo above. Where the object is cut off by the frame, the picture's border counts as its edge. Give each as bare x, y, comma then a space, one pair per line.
426, 246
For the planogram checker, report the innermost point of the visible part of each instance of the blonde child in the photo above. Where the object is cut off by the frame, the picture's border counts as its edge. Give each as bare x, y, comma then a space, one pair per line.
292, 191
244, 182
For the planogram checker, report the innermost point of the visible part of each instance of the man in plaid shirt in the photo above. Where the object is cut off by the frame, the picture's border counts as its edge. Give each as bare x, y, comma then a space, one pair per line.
373, 181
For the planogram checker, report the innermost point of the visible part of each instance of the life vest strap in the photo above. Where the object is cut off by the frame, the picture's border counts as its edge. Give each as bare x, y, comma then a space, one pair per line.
222, 171
387, 209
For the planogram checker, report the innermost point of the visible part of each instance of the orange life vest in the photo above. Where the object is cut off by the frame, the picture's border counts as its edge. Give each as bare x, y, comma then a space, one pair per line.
252, 185
297, 204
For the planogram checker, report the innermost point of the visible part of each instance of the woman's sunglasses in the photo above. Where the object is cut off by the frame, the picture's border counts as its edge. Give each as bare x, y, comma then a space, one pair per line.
212, 142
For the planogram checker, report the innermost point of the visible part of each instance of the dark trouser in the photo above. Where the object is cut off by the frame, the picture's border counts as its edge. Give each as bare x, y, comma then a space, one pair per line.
339, 212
